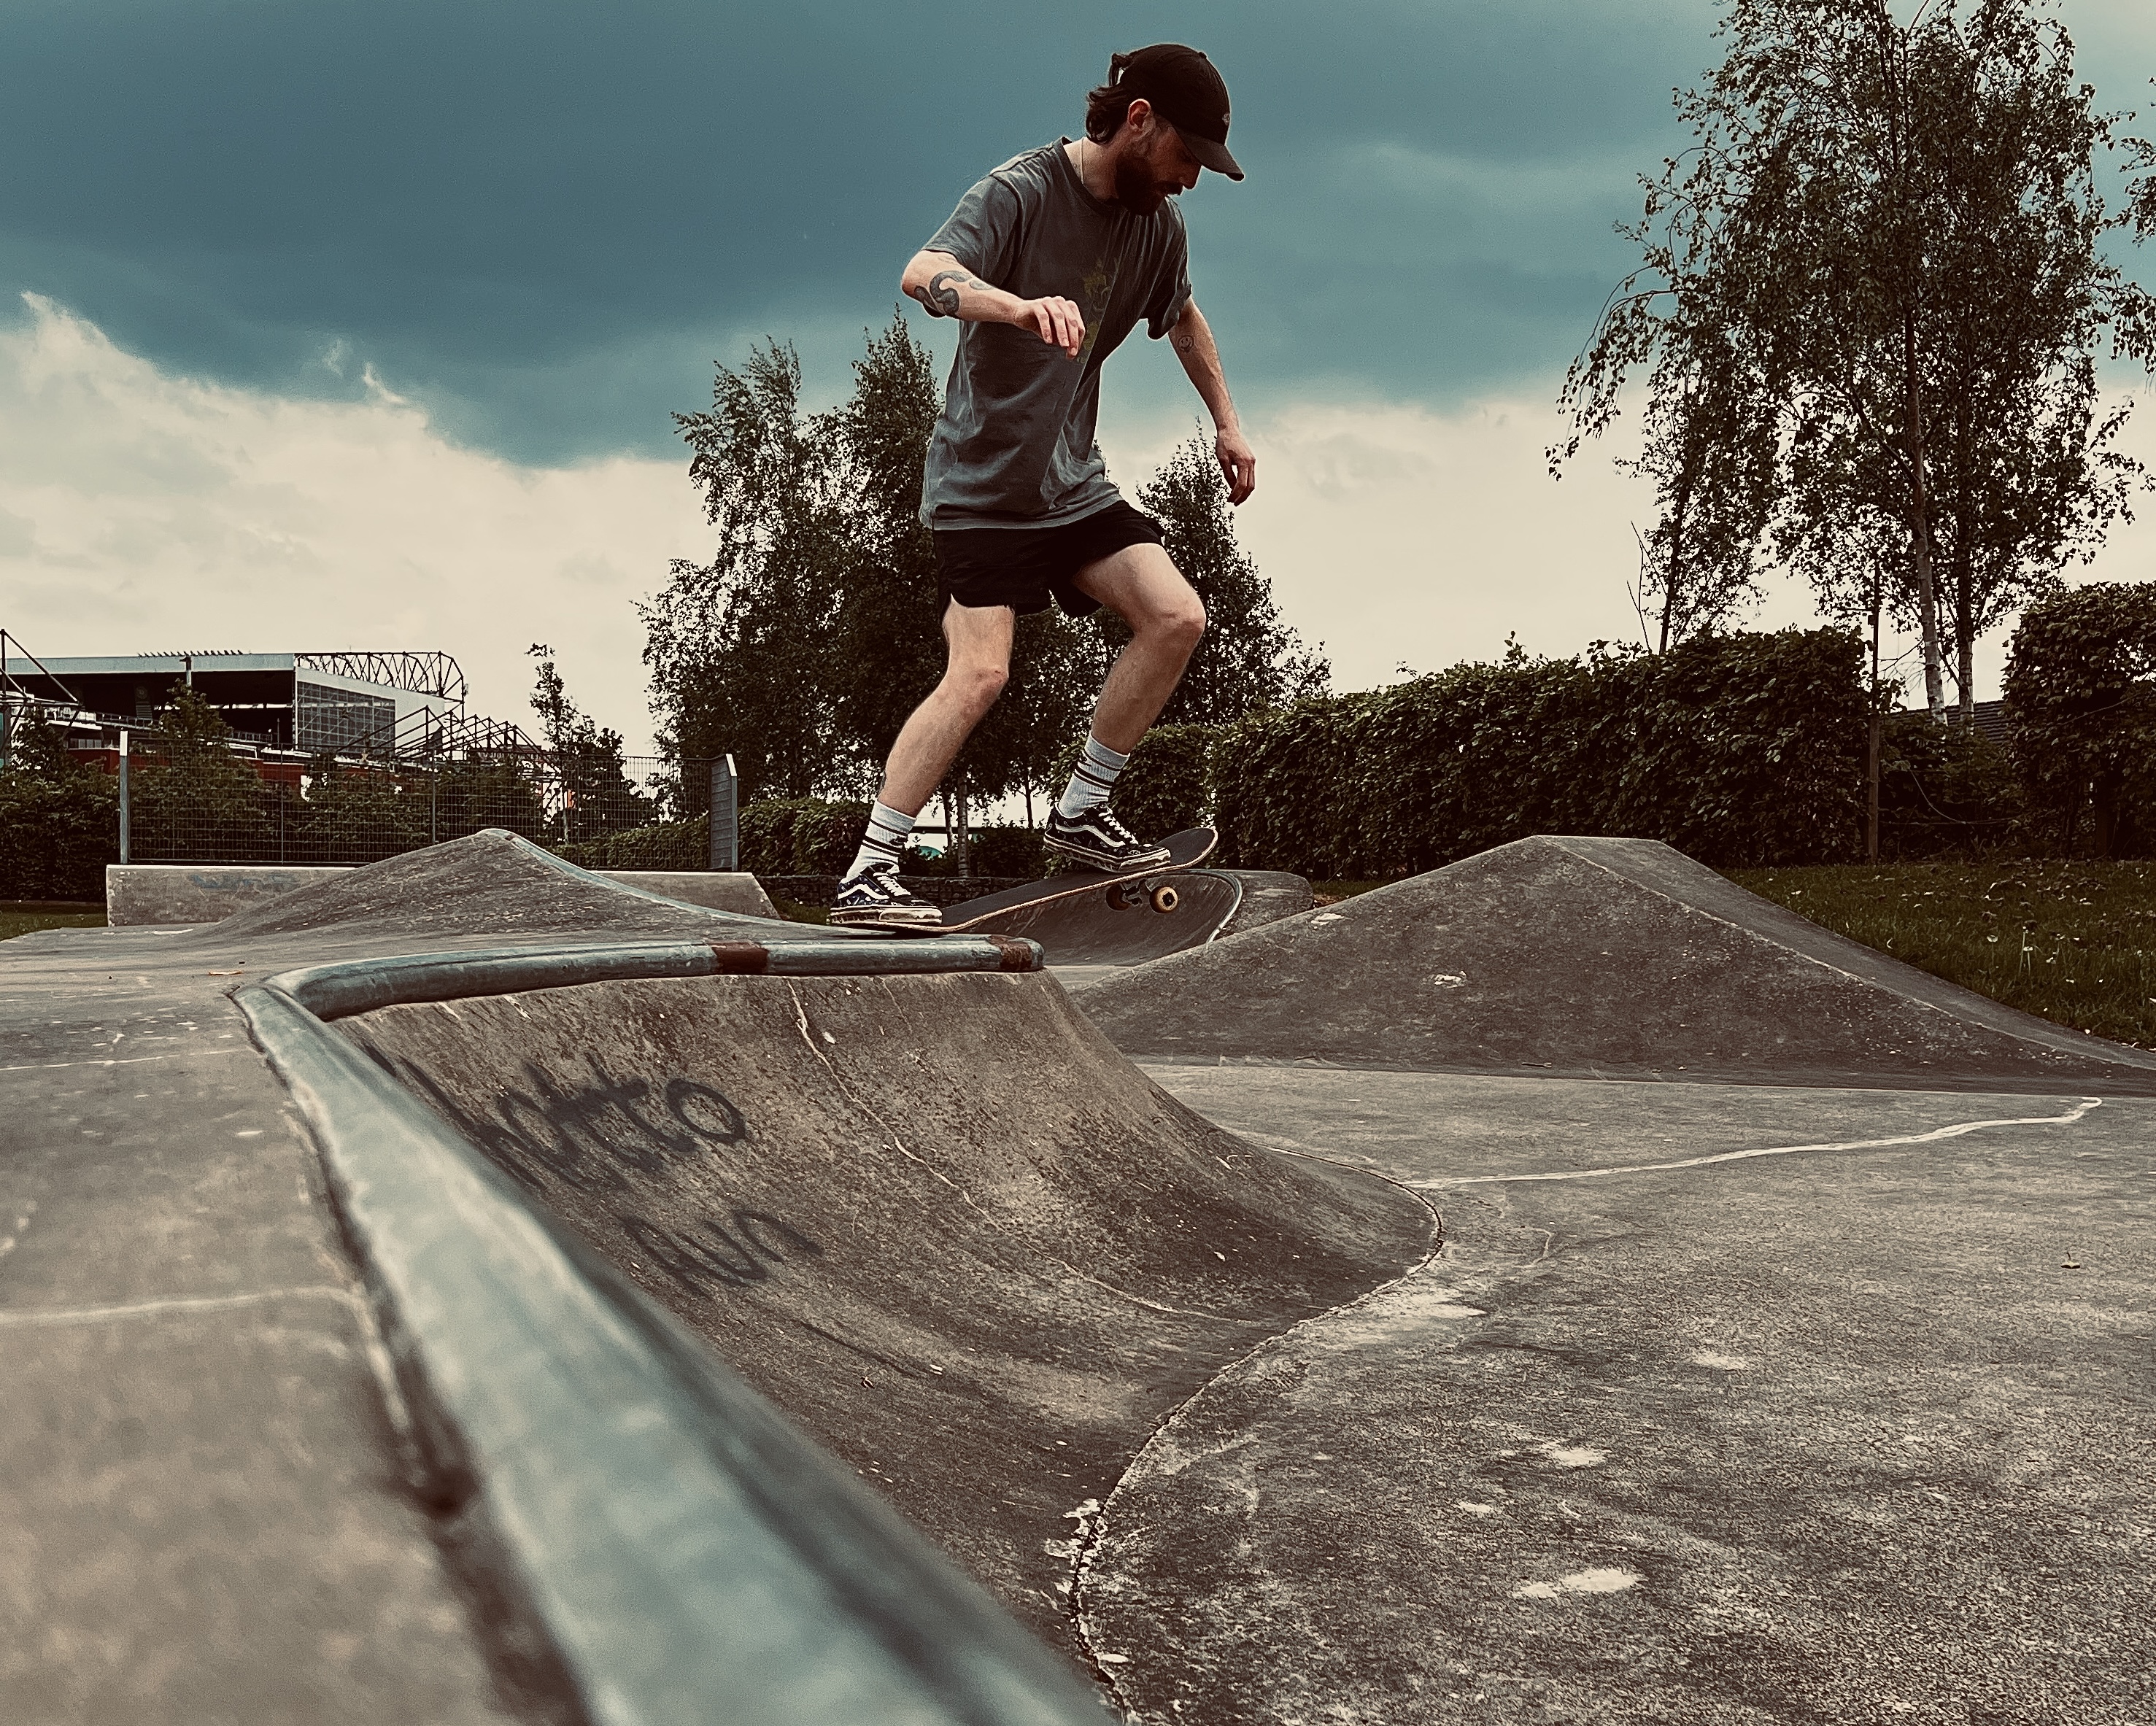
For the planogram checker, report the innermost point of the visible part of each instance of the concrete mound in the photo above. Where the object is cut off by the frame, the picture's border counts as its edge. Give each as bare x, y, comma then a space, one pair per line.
938, 1220
491, 883
1587, 955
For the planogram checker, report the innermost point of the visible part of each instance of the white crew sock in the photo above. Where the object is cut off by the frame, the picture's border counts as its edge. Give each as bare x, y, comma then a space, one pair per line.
885, 842
1095, 777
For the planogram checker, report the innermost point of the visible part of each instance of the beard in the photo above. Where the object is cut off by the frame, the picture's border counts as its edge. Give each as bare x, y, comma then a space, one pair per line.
1139, 188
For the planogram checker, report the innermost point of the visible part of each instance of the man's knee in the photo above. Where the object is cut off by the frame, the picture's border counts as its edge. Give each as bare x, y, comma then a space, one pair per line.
1180, 620
976, 686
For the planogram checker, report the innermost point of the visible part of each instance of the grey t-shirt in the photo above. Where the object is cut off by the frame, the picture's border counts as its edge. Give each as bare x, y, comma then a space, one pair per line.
1014, 446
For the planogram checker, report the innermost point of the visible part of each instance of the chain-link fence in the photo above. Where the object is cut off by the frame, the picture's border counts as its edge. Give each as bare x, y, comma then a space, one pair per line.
209, 804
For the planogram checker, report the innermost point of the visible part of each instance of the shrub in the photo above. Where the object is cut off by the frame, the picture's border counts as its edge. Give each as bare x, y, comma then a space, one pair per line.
663, 845
59, 822
2081, 695
806, 836
1007, 851
1944, 792
1734, 749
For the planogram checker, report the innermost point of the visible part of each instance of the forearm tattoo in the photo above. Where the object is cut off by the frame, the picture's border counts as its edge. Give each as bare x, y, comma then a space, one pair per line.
941, 295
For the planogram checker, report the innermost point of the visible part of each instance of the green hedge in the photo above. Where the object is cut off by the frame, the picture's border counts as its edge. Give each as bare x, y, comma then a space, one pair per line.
57, 833
805, 837
1737, 750
2081, 695
667, 845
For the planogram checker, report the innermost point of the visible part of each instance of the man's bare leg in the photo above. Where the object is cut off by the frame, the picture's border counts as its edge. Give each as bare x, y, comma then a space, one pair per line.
979, 640
1142, 585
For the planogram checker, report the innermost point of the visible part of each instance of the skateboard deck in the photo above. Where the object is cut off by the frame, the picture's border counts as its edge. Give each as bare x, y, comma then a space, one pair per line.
1144, 890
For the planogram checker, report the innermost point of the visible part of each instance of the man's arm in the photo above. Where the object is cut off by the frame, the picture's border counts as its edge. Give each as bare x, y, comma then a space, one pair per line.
951, 290
1193, 337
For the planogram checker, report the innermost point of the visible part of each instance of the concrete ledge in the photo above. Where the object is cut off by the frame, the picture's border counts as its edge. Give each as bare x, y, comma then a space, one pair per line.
197, 892
170, 893
686, 1552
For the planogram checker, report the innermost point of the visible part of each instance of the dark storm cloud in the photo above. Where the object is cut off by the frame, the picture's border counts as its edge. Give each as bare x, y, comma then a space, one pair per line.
546, 219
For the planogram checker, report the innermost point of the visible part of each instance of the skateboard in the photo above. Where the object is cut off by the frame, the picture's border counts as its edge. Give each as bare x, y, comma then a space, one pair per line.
1142, 888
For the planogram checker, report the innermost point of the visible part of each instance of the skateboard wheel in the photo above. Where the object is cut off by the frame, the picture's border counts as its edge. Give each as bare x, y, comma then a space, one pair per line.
1126, 896
1165, 898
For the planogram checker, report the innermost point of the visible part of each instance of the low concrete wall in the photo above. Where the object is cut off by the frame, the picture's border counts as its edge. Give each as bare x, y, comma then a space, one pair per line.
197, 892
170, 893
714, 889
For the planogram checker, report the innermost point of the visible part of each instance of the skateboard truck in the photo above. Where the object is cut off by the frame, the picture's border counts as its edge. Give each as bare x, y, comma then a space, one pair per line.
1129, 895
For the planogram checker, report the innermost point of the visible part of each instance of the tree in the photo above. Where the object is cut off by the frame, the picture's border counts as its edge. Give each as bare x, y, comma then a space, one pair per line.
1710, 450
60, 820
191, 799
597, 796
1248, 660
1882, 268
737, 646
813, 631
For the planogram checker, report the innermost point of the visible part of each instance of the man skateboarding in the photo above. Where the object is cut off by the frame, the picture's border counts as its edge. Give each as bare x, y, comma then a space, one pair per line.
1048, 263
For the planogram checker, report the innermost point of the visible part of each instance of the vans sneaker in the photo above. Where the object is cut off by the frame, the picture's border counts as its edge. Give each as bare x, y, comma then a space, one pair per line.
872, 897
1097, 838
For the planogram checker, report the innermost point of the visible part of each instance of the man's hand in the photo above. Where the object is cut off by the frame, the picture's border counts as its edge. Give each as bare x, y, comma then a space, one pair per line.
1060, 322
1239, 463
1201, 359
948, 289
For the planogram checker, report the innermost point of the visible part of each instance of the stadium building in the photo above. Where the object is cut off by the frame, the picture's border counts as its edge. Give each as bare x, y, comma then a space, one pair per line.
349, 705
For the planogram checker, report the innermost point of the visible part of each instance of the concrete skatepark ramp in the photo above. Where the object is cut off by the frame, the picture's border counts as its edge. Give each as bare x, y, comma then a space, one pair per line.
1586, 956
898, 1184
389, 1276
1787, 1362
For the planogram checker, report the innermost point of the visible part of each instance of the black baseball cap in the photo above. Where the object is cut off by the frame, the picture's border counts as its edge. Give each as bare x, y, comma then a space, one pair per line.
1188, 92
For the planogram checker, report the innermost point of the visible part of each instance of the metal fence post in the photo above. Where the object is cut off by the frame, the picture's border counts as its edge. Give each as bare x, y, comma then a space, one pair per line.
725, 816
123, 794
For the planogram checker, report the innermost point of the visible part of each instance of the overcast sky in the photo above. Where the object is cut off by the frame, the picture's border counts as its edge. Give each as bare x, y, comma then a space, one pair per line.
332, 324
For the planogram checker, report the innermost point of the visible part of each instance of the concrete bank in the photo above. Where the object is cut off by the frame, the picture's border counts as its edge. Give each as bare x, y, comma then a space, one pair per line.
171, 894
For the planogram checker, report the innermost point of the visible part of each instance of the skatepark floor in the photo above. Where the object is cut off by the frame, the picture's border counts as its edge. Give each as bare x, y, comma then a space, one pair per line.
1721, 1404
1558, 1289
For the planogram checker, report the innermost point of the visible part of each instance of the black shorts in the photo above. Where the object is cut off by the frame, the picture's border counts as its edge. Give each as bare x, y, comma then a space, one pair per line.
1025, 567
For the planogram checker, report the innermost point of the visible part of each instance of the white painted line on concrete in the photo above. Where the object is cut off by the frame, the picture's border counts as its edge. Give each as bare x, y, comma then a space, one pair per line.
1955, 1131
131, 1061
155, 1308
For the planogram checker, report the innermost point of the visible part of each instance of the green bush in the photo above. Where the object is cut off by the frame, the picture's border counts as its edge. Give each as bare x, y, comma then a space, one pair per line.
806, 836
59, 822
1736, 749
1011, 850
663, 845
996, 850
1945, 792
2081, 694
357, 816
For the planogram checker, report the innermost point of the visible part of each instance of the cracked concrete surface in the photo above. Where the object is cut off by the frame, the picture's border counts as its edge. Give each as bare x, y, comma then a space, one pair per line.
1853, 1432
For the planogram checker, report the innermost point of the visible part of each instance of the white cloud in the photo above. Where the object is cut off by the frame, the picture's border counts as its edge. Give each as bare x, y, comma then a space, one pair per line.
141, 511
144, 512
1394, 533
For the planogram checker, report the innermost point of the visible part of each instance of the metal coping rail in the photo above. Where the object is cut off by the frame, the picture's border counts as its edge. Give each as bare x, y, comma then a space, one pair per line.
685, 1552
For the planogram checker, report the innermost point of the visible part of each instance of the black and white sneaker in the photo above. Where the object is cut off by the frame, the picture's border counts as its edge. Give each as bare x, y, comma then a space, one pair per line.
1097, 839
873, 898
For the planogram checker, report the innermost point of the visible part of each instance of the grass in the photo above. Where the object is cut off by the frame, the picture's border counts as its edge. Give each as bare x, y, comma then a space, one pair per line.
15, 921
2072, 942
